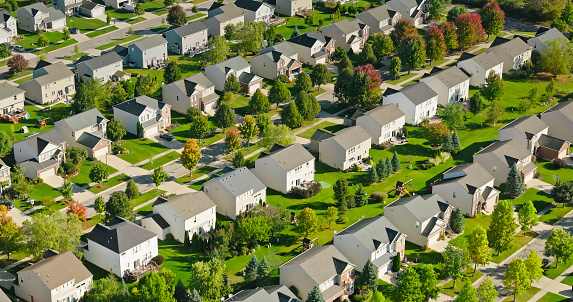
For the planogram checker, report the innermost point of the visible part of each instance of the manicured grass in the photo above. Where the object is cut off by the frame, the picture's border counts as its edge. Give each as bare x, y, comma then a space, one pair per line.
85, 24
160, 161
144, 211
551, 297
136, 20
178, 258
519, 242
553, 272
76, 56
549, 173
195, 16
539, 198
160, 28
568, 280
83, 178
523, 297
415, 254
240, 104
19, 75
197, 185
92, 221
183, 134
555, 214
141, 150
405, 76
30, 40
117, 42
111, 182
317, 92
161, 12
448, 288
152, 5
196, 174
120, 14
287, 29
43, 190
147, 196
102, 31
55, 46
49, 210
326, 125
23, 80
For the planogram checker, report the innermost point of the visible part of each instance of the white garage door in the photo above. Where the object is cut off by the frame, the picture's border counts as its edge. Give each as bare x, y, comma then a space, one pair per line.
255, 87
100, 152
212, 106
149, 132
528, 177
433, 239
321, 60
48, 173
419, 21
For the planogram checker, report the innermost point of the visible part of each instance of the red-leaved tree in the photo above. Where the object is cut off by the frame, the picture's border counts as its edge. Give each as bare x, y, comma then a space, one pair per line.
492, 18
233, 140
364, 89
176, 16
77, 209
435, 44
450, 36
17, 64
469, 30
401, 30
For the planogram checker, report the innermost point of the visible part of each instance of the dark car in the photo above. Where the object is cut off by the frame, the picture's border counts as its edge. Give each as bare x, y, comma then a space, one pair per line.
545, 262
74, 30
8, 204
167, 136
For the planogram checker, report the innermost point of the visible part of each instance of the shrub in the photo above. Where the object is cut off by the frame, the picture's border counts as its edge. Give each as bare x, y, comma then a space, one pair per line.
384, 146
533, 158
356, 168
559, 163
39, 180
60, 170
364, 297
169, 236
69, 167
283, 78
425, 248
313, 189
380, 196
120, 150
159, 259
440, 158
234, 254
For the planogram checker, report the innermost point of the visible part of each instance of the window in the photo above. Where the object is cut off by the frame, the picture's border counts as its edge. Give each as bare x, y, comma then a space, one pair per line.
494, 169
417, 224
454, 194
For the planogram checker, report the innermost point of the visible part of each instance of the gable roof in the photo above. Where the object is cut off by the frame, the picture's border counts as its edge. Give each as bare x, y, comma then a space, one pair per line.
230, 11
450, 77
235, 63
551, 142
251, 5
103, 60
470, 176
308, 39
273, 293
283, 47
372, 232
527, 125
54, 72
39, 142
379, 13
320, 135
509, 151
150, 42
89, 140
42, 64
485, 60
190, 28
239, 181
120, 236
137, 105
566, 108
346, 26
89, 5
8, 91
122, 51
549, 34
350, 137
418, 93
423, 207
5, 16
513, 47
35, 8
288, 157
58, 269
187, 205
321, 263
84, 119
384, 114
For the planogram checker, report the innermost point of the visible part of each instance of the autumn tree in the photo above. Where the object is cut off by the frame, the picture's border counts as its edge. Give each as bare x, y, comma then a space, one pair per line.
469, 30
232, 140
478, 247
435, 133
190, 155
307, 222
450, 35
412, 51
77, 209
364, 87
176, 16
248, 128
17, 64
402, 29
435, 44
501, 232
492, 18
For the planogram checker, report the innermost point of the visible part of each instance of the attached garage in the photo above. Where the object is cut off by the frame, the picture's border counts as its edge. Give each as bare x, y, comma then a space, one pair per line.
321, 60
528, 177
101, 152
254, 87
210, 106
47, 173
433, 239
151, 131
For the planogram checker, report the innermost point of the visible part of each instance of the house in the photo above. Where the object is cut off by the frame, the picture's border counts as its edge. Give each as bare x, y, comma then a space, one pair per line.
344, 148
380, 19
500, 156
92, 9
348, 34
526, 130
187, 38
272, 64
451, 84
285, 167
237, 66
313, 47
4, 297
514, 53
479, 67
375, 239
115, 4
383, 123
224, 15
542, 36
86, 130
148, 52
417, 11
122, 52
193, 213
284, 48
273, 293
8, 27
551, 147
559, 118
120, 247
50, 84
11, 99
255, 11
37, 16
40, 155
102, 68
150, 114
235, 191
74, 7
4, 178
323, 266
469, 187
423, 218
60, 276
419, 102
290, 7
193, 91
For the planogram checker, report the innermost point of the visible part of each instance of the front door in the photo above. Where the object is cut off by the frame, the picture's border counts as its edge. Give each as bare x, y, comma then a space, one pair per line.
136, 263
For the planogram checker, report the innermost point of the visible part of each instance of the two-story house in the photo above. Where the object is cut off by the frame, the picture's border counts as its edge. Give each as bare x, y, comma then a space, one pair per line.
84, 7
8, 27
237, 66
559, 118
50, 83
500, 156
514, 53
419, 101
193, 91
417, 11
40, 155
187, 38
344, 148
451, 84
11, 99
468, 187
58, 277
115, 4
37, 16
235, 191
4, 176
120, 247
380, 19
273, 293
86, 130
255, 11
148, 52
143, 115
348, 34
479, 67
284, 48
222, 16
375, 239
285, 167
383, 123
103, 68
272, 64
543, 36
193, 213
323, 266
423, 218
313, 48
290, 7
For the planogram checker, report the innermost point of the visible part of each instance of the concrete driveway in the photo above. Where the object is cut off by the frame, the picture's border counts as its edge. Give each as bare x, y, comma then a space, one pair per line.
54, 181
540, 185
174, 144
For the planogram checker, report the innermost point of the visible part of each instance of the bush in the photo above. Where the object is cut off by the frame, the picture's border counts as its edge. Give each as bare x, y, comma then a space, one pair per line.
380, 196
356, 168
39, 180
169, 236
120, 150
440, 158
364, 297
283, 78
69, 167
383, 146
301, 193
60, 170
234, 254
559, 163
159, 259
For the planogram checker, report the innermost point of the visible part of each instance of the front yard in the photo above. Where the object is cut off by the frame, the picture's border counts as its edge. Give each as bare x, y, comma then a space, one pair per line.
85, 24
30, 40
326, 125
160, 161
83, 178
140, 150
110, 182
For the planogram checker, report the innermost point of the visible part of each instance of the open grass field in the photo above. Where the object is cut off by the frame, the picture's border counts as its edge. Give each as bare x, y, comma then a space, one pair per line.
140, 150
83, 178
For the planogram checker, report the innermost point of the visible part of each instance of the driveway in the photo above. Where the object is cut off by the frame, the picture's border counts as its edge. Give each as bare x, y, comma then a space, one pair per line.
54, 181
174, 144
540, 185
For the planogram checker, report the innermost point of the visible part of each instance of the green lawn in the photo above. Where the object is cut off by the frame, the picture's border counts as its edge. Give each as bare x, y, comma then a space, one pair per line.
147, 196
120, 14
21, 74
30, 40
555, 214
519, 242
85, 24
416, 255
83, 178
551, 297
196, 174
53, 47
523, 297
43, 190
549, 173
102, 31
160, 161
240, 104
152, 5
160, 28
402, 78
141, 150
326, 125
117, 42
539, 198
136, 20
23, 80
287, 29
111, 182
76, 56
553, 272
568, 280
448, 288
195, 16
178, 258
183, 134
49, 210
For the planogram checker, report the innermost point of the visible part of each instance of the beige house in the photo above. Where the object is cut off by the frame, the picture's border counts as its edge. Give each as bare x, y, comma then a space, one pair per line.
37, 16
559, 118
193, 91
238, 67
479, 67
348, 34
272, 64
11, 99
313, 47
86, 130
380, 19
342, 149
514, 53
290, 7
59, 277
451, 84
50, 84
383, 123
225, 15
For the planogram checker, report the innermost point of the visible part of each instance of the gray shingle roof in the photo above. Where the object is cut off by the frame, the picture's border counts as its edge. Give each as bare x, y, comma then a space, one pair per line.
485, 60
527, 125
188, 205
235, 63
346, 26
418, 93
150, 42
550, 35
372, 232
509, 151
566, 108
379, 13
54, 15
8, 91
137, 105
288, 157
385, 114
103, 60
34, 8
230, 11
190, 28
39, 142
5, 16
550, 142
58, 269
450, 77
251, 5
273, 293
55, 72
159, 220
423, 207
350, 137
239, 181
89, 140
320, 135
189, 85
89, 5
513, 47
308, 39
84, 119
120, 236
321, 263
283, 47
470, 176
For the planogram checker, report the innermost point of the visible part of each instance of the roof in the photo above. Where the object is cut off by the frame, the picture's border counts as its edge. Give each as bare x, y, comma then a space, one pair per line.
418, 93
35, 8
423, 207
486, 60
379, 13
239, 181
7, 90
230, 11
187, 205
549, 35
385, 114
470, 176
54, 14
89, 5
283, 47
59, 269
308, 39
215, 5
42, 64
235, 63
251, 5
346, 26
5, 16
247, 78
566, 108
450, 77
120, 236
288, 157
350, 137
103, 60
372, 232
273, 293
122, 51
159, 220
40, 142
150, 42
189, 85
320, 135
89, 140
54, 72
513, 47
321, 263
137, 105
84, 119
550, 142
190, 28
510, 151
527, 125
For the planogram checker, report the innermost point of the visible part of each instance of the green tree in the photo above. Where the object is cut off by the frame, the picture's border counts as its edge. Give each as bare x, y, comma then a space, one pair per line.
291, 117
389, 171
105, 290
107, 18
457, 221
172, 72
562, 192
467, 294
295, 32
551, 89
93, 94
492, 18
99, 172
493, 88
303, 83
224, 116
527, 216
146, 85
208, 279
190, 155
251, 269
514, 185
372, 176
118, 94
66, 189
341, 194
320, 75
344, 63
455, 12
140, 11
181, 293
193, 113
233, 140
560, 245
152, 287
309, 20
438, 7
129, 88
495, 112
250, 37
99, 205
435, 44
280, 134
232, 84
132, 191
557, 58
248, 128
395, 163
342, 85
279, 93
115, 130
454, 116
447, 144
429, 281
43, 41
534, 267
315, 295
369, 276
455, 261
119, 205
56, 231
330, 215
516, 277
219, 49
230, 30
377, 296
76, 155
200, 127
396, 262
263, 271
567, 13
476, 103
412, 52
307, 106
360, 196
367, 56
486, 291
5, 143
307, 222
395, 66
259, 102
11, 238
502, 228
408, 287
66, 33
382, 45
478, 248
4, 51
159, 175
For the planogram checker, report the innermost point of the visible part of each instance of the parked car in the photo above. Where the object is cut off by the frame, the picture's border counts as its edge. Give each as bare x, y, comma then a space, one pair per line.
8, 204
74, 30
19, 48
167, 136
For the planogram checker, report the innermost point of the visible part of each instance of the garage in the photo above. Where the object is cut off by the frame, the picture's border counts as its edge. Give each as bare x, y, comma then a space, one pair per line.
151, 131
211, 106
418, 21
433, 239
321, 60
528, 177
99, 153
254, 88
48, 173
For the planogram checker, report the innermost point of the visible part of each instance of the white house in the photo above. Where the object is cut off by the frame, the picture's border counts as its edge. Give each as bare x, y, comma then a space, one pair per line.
559, 118
150, 114
221, 17
237, 66
187, 38
190, 212
11, 99
102, 68
235, 191
120, 247
284, 167
148, 52
380, 19
383, 123
514, 53
313, 47
418, 101
58, 277
290, 7
479, 67
544, 35
344, 148
468, 187
40, 155
414, 10
348, 34
8, 27
255, 11
451, 84
375, 239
